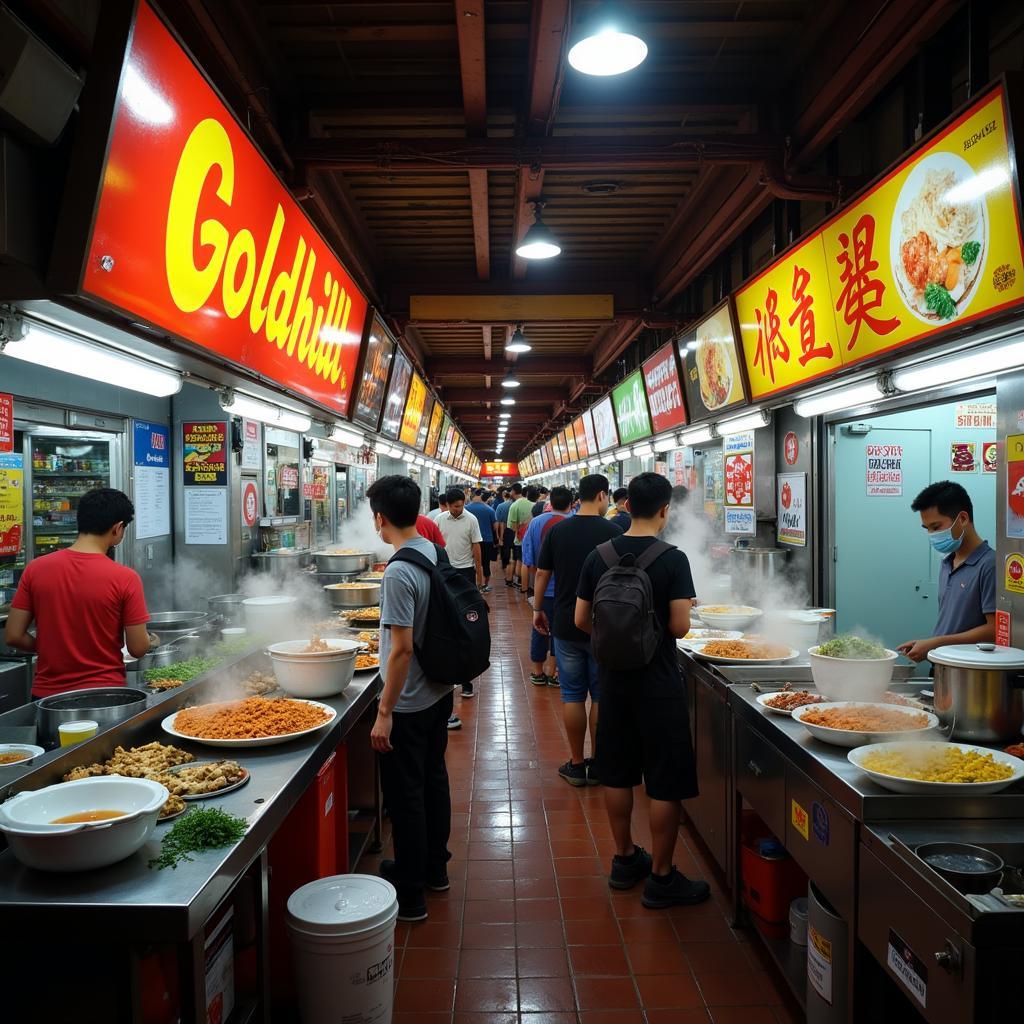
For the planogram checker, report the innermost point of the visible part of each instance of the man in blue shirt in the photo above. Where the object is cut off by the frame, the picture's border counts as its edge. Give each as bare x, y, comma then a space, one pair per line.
502, 535
485, 516
542, 652
967, 576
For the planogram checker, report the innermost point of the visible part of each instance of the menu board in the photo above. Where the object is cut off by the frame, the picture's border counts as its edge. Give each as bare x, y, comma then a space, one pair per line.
712, 373
447, 437
934, 245
588, 426
204, 453
604, 424
421, 434
569, 443
394, 406
664, 390
413, 411
580, 433
631, 414
373, 377
437, 418
549, 457
459, 450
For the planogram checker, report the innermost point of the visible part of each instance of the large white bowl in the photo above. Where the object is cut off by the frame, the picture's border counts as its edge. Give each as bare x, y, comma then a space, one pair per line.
900, 785
740, 618
270, 616
314, 675
851, 738
25, 821
842, 679
340, 648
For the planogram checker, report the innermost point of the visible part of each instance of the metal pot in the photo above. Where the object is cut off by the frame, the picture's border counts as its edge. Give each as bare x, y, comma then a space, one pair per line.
228, 607
170, 626
177, 650
329, 561
102, 704
347, 596
761, 562
280, 564
970, 869
979, 691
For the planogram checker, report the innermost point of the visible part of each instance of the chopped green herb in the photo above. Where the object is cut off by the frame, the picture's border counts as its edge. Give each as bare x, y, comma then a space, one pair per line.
939, 301
852, 647
183, 671
970, 251
203, 828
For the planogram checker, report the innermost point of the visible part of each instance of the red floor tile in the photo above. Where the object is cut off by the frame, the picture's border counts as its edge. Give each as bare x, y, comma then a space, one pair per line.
487, 963
536, 994
606, 993
599, 960
474, 994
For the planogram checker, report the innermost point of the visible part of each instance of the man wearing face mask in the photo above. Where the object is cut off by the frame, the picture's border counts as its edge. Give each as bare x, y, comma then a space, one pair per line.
967, 577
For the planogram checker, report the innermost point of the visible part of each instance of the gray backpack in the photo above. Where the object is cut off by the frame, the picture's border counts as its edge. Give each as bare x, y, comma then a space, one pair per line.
625, 632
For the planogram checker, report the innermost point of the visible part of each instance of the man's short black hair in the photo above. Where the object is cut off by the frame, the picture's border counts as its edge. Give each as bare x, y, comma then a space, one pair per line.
621, 493
396, 498
680, 494
442, 498
648, 494
949, 498
456, 494
517, 488
478, 493
593, 485
543, 490
102, 509
532, 494
561, 498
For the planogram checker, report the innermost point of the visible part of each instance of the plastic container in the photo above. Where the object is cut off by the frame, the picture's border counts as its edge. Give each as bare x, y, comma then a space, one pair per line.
342, 931
798, 921
771, 880
79, 731
827, 938
271, 617
233, 632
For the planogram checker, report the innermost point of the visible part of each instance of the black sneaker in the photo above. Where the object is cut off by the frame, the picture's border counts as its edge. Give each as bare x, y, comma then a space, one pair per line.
455, 722
627, 871
538, 679
412, 906
467, 690
593, 778
674, 891
553, 681
440, 883
509, 584
529, 591
574, 774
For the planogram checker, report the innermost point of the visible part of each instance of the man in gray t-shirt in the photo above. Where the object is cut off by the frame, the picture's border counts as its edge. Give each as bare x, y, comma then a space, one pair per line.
411, 730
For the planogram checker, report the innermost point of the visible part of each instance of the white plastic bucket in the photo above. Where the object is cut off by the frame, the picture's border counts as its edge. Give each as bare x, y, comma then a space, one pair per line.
342, 931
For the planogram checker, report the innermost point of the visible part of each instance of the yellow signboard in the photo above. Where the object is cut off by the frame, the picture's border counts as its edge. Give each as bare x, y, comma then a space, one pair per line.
414, 408
1014, 578
12, 506
935, 244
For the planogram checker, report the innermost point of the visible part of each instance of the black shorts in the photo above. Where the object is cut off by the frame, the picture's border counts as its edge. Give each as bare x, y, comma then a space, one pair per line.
645, 740
486, 557
506, 549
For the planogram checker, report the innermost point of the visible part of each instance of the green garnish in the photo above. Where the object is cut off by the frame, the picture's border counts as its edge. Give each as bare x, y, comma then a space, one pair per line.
203, 828
852, 647
969, 252
183, 671
939, 301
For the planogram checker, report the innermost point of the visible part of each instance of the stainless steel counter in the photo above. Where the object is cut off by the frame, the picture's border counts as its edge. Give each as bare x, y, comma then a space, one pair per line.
171, 905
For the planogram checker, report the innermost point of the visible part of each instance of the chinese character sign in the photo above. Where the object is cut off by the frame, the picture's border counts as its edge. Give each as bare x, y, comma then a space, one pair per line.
631, 414
664, 392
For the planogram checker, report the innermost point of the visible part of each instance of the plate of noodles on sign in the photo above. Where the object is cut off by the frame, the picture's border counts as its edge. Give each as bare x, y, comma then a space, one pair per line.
939, 238
252, 722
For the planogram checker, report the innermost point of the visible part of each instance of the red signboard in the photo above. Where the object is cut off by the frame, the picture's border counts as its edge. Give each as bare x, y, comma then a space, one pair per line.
664, 392
250, 503
791, 448
6, 423
499, 469
195, 234
1003, 628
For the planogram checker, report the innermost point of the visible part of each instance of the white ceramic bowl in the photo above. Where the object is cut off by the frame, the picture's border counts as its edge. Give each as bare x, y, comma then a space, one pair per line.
270, 616
841, 679
797, 628
25, 821
901, 785
739, 616
30, 749
340, 649
311, 675
858, 738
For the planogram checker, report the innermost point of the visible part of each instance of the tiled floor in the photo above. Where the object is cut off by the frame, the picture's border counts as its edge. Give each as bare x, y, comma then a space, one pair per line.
530, 933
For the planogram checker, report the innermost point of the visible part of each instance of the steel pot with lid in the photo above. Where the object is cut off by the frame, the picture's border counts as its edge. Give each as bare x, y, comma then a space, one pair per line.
102, 704
979, 691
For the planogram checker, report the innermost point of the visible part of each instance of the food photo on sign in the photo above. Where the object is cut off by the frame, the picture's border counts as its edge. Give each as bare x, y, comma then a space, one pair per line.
963, 457
373, 378
713, 379
205, 454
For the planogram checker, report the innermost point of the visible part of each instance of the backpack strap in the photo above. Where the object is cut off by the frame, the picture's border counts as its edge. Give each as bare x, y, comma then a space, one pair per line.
609, 555
414, 557
653, 553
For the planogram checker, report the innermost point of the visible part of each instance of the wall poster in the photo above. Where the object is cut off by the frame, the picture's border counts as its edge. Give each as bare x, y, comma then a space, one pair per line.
151, 454
205, 453
206, 515
791, 511
12, 504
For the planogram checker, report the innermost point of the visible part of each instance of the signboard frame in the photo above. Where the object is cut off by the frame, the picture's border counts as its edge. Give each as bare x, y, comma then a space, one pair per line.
376, 331
697, 411
667, 352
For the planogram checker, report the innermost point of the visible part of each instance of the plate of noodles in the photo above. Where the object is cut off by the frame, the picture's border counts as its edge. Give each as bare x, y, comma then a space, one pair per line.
252, 722
742, 652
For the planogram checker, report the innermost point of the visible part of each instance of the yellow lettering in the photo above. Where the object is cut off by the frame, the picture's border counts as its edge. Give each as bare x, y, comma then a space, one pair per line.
282, 295
207, 147
236, 296
258, 311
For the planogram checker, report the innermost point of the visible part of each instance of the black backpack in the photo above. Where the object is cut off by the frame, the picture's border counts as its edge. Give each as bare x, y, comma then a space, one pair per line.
625, 632
457, 645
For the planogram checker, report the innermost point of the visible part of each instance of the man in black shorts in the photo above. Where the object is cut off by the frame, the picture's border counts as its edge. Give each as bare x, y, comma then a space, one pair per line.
643, 734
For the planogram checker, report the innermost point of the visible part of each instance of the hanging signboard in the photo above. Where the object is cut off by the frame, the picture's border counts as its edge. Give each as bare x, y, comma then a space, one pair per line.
569, 444
664, 391
791, 510
188, 228
378, 353
434, 431
398, 390
579, 432
151, 454
631, 415
932, 246
884, 476
604, 424
6, 423
588, 427
413, 411
204, 453
12, 504
712, 366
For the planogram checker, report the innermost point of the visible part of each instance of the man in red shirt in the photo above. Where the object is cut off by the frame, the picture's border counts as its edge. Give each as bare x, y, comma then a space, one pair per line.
85, 606
427, 528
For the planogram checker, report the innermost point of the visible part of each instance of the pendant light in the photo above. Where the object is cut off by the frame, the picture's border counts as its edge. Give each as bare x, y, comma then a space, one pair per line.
538, 243
508, 400
518, 344
607, 42
510, 380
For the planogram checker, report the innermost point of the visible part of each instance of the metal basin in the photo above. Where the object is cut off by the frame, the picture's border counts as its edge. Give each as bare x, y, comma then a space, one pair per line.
102, 704
181, 649
170, 622
280, 564
346, 595
228, 607
329, 561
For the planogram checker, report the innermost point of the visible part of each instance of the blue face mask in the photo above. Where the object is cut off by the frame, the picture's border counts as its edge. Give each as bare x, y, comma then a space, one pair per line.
944, 542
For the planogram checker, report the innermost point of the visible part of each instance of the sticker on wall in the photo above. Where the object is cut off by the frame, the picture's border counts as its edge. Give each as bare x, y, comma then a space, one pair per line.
204, 453
6, 423
799, 820
963, 457
740, 520
250, 503
820, 822
976, 416
884, 470
1015, 485
12, 505
908, 967
819, 963
791, 510
1013, 577
1003, 628
791, 448
989, 456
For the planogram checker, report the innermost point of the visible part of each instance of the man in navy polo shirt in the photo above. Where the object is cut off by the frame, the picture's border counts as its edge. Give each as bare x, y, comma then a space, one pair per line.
967, 577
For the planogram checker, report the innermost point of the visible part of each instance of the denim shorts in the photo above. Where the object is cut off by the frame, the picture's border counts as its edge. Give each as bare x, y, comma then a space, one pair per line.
577, 671
540, 645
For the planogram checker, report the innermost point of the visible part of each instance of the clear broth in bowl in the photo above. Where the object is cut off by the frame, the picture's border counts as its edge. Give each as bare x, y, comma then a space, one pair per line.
85, 816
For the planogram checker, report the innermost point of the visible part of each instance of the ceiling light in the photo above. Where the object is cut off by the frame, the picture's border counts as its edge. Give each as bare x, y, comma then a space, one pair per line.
594, 463
621, 454
244, 405
607, 42
395, 452
641, 450
979, 363
59, 351
748, 421
664, 444
517, 343
408, 457
838, 399
538, 243
698, 435
508, 400
510, 380
504, 415
346, 435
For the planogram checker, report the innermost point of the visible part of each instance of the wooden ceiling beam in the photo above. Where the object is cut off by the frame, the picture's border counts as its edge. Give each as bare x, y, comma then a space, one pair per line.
526, 365
480, 204
549, 29
526, 395
469, 23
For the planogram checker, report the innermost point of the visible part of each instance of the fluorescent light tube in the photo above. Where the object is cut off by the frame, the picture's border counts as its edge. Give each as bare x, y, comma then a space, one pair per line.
838, 399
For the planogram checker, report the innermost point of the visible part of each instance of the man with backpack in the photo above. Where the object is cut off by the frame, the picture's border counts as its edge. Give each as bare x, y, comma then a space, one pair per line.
434, 634
634, 601
562, 554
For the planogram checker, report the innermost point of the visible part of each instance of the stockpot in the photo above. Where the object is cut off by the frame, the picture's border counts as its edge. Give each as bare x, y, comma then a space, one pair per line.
979, 691
102, 704
335, 562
